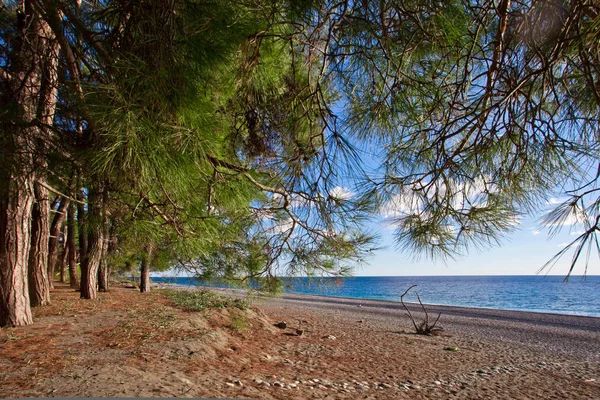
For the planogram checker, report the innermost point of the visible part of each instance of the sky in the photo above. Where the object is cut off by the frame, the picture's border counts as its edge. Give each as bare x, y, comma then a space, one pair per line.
522, 252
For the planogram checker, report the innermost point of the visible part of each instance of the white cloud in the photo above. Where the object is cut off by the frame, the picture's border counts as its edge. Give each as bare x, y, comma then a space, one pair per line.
577, 233
577, 218
535, 232
463, 196
564, 244
404, 203
282, 226
341, 193
554, 201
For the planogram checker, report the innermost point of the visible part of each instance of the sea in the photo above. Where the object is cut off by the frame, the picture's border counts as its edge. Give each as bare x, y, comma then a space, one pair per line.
549, 293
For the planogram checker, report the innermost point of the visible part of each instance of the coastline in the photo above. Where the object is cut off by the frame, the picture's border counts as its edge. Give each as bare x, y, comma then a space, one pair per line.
512, 293
548, 332
130, 344
573, 335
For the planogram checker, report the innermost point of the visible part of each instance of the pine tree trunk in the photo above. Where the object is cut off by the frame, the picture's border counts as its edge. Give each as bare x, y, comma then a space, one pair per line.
95, 241
145, 269
62, 261
39, 281
103, 276
72, 248
81, 224
32, 87
103, 270
55, 229
15, 242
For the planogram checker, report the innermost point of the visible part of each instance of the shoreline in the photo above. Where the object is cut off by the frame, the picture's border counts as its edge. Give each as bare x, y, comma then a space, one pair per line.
143, 345
570, 335
382, 302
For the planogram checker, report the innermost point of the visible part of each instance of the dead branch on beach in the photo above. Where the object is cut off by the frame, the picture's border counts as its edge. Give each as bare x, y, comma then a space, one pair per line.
422, 328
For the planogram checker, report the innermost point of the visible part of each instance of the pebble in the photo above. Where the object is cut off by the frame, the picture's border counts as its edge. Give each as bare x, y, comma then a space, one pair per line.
229, 384
437, 382
281, 325
330, 337
278, 384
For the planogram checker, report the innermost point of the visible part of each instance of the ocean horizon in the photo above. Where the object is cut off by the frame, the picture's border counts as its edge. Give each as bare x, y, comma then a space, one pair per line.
535, 293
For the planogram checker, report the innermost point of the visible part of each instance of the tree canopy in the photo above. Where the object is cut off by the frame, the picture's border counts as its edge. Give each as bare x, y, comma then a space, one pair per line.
227, 136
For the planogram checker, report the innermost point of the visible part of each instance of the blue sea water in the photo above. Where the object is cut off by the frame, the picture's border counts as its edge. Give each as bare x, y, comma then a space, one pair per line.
578, 296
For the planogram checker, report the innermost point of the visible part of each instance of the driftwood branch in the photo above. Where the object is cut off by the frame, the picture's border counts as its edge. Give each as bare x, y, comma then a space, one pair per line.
423, 327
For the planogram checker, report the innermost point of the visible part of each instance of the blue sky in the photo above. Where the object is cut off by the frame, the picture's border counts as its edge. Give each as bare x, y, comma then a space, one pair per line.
521, 253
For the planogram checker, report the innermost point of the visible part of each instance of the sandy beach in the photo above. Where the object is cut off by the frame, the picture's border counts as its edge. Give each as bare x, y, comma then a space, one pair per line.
132, 345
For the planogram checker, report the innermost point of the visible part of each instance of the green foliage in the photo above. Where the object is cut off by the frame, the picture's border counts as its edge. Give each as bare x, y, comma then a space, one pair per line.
478, 109
239, 323
204, 300
227, 136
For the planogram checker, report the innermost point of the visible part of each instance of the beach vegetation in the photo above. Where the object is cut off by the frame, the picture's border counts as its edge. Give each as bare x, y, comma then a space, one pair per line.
239, 323
203, 300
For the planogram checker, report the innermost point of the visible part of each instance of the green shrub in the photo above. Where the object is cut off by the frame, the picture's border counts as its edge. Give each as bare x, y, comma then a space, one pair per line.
239, 323
203, 300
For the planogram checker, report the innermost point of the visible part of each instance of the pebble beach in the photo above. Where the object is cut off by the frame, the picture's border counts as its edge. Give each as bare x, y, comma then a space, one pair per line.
295, 347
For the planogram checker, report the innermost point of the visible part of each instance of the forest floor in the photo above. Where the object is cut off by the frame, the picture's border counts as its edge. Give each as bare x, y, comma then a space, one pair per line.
128, 344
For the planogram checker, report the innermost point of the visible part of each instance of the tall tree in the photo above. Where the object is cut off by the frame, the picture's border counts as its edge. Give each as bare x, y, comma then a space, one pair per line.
71, 246
54, 233
28, 103
39, 285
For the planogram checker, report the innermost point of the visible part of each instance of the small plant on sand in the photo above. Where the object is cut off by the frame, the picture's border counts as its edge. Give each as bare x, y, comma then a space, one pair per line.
239, 323
204, 300
424, 327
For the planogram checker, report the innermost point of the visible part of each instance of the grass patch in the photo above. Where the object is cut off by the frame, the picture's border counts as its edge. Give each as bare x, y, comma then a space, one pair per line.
239, 323
204, 300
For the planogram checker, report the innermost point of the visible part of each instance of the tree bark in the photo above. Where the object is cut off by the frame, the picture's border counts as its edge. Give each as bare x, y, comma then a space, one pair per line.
81, 223
32, 87
145, 269
39, 281
53, 242
103, 275
15, 242
95, 242
72, 248
62, 261
103, 270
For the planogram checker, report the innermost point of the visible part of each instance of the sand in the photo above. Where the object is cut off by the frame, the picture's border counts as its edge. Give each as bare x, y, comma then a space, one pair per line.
133, 345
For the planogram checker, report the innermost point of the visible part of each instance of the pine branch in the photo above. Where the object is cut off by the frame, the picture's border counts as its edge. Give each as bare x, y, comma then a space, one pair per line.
44, 184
